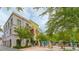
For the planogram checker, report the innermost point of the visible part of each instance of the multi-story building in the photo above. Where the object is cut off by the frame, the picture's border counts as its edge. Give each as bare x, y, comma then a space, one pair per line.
0, 41
15, 20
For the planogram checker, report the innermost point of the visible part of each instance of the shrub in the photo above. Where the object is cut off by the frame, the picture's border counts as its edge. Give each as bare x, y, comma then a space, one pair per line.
20, 47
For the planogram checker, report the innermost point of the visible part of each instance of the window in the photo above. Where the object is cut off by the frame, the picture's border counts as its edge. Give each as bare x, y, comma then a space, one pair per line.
11, 21
8, 25
10, 31
27, 24
4, 28
19, 22
10, 42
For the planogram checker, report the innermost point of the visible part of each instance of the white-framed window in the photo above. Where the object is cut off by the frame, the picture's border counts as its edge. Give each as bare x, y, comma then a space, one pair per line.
11, 21
19, 22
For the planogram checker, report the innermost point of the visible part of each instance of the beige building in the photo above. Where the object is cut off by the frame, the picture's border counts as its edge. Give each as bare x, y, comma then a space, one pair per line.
1, 41
15, 20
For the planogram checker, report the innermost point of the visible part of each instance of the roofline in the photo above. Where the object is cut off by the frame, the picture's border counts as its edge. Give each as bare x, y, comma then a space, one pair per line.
23, 18
7, 20
20, 16
13, 13
33, 22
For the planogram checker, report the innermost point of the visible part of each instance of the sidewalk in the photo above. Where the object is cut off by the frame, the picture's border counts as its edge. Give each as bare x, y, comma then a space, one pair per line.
55, 48
3, 48
35, 49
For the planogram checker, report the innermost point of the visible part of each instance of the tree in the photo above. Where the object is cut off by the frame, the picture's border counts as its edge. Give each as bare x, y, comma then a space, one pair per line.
42, 37
63, 38
77, 35
23, 33
62, 19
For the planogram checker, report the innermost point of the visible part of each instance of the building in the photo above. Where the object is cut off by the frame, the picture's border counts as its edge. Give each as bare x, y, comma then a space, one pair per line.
0, 41
15, 20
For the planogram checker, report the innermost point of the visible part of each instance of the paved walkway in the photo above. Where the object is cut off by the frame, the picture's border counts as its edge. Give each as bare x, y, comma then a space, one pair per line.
2, 48
34, 49
55, 48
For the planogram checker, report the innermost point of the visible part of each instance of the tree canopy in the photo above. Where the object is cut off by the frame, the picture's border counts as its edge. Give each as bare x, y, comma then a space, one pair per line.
23, 33
63, 19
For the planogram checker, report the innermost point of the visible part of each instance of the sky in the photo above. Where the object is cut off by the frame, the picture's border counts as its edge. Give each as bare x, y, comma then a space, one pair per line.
28, 13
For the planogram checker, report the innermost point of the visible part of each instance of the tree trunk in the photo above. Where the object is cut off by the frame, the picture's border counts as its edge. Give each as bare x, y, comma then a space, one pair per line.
49, 45
19, 42
38, 43
62, 46
29, 43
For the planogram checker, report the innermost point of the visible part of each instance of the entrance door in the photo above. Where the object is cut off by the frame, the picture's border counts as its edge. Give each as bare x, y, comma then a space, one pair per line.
18, 42
10, 42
